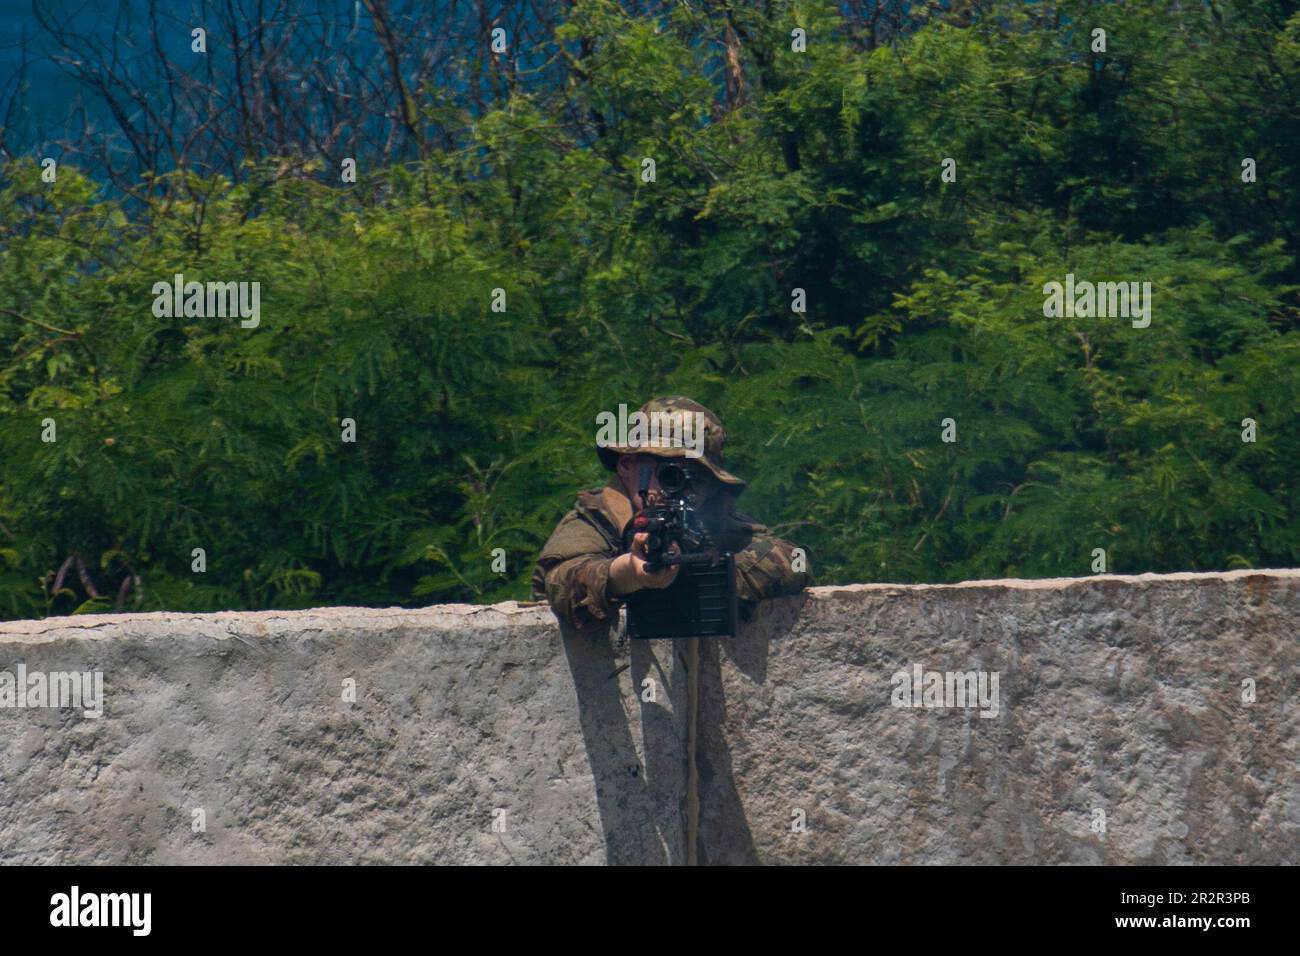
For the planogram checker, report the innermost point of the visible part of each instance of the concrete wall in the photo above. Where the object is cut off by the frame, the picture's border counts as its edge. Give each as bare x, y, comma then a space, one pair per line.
459, 712
1116, 694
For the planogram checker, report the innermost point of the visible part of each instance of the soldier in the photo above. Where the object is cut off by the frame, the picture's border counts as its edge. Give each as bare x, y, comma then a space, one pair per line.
584, 571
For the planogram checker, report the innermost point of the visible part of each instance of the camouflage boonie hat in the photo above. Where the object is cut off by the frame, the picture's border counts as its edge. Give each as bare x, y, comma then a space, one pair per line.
715, 437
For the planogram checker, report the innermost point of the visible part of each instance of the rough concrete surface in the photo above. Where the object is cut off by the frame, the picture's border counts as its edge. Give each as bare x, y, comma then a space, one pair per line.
460, 712
1116, 694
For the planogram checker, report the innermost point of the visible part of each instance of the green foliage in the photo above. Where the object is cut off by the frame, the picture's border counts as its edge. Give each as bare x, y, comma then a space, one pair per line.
475, 428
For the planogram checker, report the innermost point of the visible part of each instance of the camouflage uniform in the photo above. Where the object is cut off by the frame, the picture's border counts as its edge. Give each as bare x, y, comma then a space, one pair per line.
572, 572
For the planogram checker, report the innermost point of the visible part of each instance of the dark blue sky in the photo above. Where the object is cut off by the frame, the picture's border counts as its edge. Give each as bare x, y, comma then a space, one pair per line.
51, 96
50, 91
333, 38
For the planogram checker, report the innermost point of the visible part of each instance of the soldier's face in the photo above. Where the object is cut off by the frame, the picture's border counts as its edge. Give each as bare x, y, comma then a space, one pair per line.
704, 486
629, 472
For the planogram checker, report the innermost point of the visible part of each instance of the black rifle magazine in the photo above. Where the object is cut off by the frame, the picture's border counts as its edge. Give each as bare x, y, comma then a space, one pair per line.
701, 602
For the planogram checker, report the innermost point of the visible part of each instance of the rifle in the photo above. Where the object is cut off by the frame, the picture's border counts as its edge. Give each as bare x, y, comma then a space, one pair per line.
701, 601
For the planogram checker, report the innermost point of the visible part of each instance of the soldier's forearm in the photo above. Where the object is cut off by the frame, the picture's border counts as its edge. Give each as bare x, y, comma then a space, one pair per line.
622, 576
579, 591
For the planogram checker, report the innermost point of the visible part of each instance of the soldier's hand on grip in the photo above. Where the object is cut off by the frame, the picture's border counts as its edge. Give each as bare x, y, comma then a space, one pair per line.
629, 573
